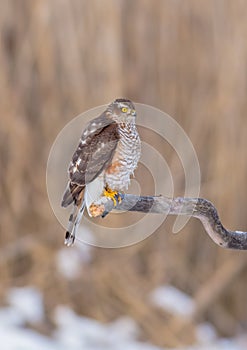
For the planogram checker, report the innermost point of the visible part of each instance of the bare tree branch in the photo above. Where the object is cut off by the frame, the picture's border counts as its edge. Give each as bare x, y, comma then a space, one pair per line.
199, 208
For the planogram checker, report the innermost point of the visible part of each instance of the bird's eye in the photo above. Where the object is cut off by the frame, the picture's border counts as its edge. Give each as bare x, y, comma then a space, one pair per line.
124, 109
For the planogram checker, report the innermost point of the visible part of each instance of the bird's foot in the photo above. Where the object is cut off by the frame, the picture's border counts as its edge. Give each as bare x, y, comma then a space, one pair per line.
115, 196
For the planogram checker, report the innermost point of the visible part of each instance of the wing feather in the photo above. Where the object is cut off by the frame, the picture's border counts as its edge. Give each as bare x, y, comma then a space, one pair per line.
94, 154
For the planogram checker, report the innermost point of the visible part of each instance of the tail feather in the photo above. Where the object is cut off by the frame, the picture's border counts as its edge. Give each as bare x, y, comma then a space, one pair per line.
67, 198
74, 222
71, 194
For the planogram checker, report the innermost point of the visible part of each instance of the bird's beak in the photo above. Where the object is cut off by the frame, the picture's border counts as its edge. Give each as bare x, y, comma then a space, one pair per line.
132, 112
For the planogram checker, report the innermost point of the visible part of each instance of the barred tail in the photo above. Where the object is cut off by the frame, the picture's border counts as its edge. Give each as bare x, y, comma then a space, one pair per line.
73, 192
74, 222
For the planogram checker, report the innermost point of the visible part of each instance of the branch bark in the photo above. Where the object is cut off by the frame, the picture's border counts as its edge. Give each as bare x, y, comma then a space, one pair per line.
199, 208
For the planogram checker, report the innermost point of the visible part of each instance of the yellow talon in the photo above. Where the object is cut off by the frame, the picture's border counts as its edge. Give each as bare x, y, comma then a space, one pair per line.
114, 195
119, 198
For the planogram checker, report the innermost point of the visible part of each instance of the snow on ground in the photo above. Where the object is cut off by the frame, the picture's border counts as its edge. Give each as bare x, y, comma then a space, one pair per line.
173, 300
29, 302
80, 333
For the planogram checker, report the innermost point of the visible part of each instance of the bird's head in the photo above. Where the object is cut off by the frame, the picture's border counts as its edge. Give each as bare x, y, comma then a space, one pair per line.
122, 109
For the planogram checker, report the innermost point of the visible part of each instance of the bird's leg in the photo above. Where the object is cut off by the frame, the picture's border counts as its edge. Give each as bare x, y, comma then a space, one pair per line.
97, 208
114, 195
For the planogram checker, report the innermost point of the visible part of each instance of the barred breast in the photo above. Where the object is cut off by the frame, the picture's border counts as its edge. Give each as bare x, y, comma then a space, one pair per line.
125, 160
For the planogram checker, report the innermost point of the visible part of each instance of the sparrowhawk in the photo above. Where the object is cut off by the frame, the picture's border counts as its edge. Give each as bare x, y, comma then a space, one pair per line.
106, 157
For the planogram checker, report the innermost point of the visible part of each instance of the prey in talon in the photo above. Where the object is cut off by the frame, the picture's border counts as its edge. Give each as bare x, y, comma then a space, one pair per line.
107, 155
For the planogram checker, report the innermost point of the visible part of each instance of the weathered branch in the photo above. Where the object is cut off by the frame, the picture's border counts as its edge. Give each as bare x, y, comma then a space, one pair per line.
200, 208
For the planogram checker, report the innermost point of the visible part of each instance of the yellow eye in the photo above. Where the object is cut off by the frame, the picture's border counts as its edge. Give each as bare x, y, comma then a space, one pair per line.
124, 109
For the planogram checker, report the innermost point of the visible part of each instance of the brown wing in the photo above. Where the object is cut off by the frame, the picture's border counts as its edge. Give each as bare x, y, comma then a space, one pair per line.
93, 154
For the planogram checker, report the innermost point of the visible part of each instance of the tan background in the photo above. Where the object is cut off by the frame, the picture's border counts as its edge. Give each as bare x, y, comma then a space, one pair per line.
59, 58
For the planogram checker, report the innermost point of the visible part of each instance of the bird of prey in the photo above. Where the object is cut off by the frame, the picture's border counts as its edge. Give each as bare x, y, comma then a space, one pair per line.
107, 155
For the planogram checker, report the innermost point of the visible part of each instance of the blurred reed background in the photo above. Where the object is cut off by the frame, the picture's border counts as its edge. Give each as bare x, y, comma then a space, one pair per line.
188, 58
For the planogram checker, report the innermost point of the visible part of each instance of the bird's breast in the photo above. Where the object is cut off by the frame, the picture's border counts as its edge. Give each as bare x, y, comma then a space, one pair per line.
125, 159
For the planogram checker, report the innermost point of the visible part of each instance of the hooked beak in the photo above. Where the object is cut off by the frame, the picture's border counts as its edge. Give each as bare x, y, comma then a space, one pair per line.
132, 112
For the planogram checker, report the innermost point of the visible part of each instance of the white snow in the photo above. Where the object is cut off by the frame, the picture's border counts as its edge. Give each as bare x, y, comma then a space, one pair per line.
29, 302
205, 333
173, 300
74, 332
24, 339
10, 316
